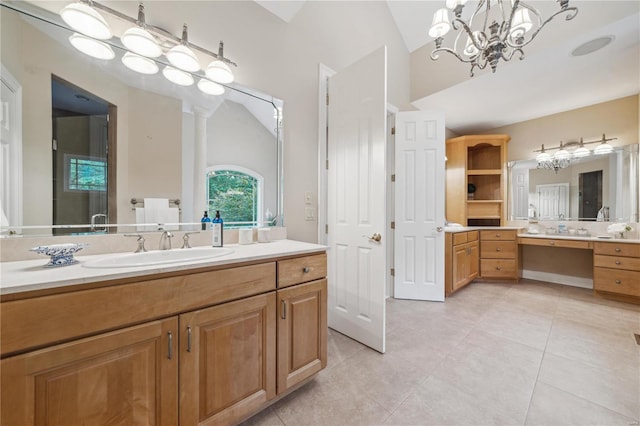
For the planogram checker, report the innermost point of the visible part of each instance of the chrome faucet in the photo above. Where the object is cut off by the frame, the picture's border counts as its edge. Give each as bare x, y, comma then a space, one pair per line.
165, 240
185, 239
141, 248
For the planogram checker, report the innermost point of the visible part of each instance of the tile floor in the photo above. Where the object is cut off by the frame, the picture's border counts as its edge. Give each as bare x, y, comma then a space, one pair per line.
493, 354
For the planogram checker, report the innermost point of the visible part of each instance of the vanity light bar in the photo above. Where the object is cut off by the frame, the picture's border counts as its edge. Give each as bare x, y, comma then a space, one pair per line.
161, 33
567, 144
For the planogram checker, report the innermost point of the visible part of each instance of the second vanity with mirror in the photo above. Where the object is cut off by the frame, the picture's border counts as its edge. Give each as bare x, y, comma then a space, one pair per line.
212, 340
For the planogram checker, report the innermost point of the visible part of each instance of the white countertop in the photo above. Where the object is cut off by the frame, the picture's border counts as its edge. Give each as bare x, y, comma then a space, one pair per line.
579, 238
29, 275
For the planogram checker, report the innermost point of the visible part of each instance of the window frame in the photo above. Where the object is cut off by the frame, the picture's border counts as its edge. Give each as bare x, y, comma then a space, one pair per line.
67, 169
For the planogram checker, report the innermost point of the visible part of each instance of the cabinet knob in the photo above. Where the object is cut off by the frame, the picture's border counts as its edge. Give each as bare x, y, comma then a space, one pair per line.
552, 243
497, 235
306, 269
618, 282
617, 249
618, 262
498, 268
498, 249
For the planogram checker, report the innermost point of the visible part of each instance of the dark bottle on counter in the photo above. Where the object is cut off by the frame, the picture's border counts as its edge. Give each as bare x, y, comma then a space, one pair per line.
217, 227
206, 221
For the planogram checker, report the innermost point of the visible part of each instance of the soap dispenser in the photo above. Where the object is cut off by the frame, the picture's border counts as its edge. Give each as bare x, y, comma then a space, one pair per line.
206, 221
217, 228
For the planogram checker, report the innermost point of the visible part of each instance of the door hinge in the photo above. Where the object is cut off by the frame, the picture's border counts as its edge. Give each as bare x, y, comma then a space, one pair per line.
393, 178
327, 165
326, 228
393, 225
327, 99
54, 144
393, 272
393, 130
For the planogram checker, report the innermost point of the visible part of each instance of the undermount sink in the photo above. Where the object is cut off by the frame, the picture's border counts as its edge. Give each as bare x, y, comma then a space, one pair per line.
158, 257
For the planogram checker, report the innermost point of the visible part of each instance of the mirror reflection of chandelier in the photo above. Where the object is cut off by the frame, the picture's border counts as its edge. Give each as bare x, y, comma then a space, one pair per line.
491, 34
562, 158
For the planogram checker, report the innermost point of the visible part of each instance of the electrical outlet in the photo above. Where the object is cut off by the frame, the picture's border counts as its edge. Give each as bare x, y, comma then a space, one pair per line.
307, 197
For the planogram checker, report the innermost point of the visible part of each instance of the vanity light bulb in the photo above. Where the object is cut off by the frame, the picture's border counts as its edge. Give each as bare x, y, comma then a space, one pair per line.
182, 57
86, 20
140, 41
177, 76
139, 63
581, 152
94, 48
209, 87
219, 72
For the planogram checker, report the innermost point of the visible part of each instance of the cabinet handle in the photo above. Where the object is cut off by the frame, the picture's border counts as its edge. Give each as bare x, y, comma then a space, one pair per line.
498, 249
617, 249
306, 269
170, 353
618, 282
188, 339
284, 309
617, 262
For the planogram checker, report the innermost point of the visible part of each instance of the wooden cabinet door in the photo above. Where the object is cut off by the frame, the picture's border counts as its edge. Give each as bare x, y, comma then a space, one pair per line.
460, 266
302, 332
474, 260
125, 377
227, 360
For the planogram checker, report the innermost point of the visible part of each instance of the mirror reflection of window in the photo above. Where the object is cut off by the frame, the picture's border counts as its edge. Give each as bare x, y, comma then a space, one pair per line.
237, 193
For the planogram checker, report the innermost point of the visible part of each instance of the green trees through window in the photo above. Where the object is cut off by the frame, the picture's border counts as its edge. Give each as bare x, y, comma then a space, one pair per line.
85, 174
235, 194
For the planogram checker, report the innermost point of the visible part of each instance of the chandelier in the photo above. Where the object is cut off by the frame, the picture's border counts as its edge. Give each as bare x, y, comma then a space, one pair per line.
487, 40
562, 158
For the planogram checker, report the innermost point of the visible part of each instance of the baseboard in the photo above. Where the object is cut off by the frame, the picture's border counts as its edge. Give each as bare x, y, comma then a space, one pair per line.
558, 278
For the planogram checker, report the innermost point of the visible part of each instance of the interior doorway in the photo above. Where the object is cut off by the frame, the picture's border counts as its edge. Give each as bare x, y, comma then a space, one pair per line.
590, 195
83, 159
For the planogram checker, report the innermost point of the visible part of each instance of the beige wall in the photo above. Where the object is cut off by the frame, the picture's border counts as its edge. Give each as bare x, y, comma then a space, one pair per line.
618, 118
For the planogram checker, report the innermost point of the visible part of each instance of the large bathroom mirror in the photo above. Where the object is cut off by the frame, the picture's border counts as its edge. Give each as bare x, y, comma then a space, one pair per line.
152, 133
592, 188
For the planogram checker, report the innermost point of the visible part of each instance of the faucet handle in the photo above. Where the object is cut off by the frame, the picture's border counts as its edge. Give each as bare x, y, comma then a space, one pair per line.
141, 240
185, 239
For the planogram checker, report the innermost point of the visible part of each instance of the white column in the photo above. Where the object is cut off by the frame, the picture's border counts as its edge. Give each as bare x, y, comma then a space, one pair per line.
200, 162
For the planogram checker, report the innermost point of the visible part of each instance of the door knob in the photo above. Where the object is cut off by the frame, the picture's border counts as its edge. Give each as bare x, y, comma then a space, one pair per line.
376, 237
439, 229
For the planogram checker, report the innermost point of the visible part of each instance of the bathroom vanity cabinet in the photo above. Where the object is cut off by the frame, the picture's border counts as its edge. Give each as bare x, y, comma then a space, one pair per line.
616, 268
210, 345
499, 254
462, 259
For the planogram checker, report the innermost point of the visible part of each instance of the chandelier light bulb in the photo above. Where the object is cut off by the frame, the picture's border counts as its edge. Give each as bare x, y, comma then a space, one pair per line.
89, 46
210, 88
86, 20
440, 25
521, 23
177, 76
139, 63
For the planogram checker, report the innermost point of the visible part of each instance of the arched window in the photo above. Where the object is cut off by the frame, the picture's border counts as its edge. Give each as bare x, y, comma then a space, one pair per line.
236, 192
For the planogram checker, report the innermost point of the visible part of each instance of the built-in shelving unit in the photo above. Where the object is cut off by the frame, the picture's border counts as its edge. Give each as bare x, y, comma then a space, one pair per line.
477, 162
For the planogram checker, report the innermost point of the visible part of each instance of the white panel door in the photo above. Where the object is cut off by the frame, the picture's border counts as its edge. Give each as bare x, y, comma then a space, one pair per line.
553, 201
419, 212
356, 200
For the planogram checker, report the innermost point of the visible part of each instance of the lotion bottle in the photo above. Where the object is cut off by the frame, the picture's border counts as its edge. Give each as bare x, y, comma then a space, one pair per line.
206, 221
217, 228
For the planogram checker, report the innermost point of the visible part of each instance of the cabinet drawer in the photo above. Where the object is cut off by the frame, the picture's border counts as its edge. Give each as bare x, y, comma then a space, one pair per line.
301, 269
472, 236
550, 242
617, 262
459, 238
617, 281
498, 268
498, 235
498, 250
617, 249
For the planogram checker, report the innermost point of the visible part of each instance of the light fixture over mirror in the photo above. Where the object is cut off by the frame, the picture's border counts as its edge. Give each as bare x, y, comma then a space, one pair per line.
144, 43
562, 158
496, 30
